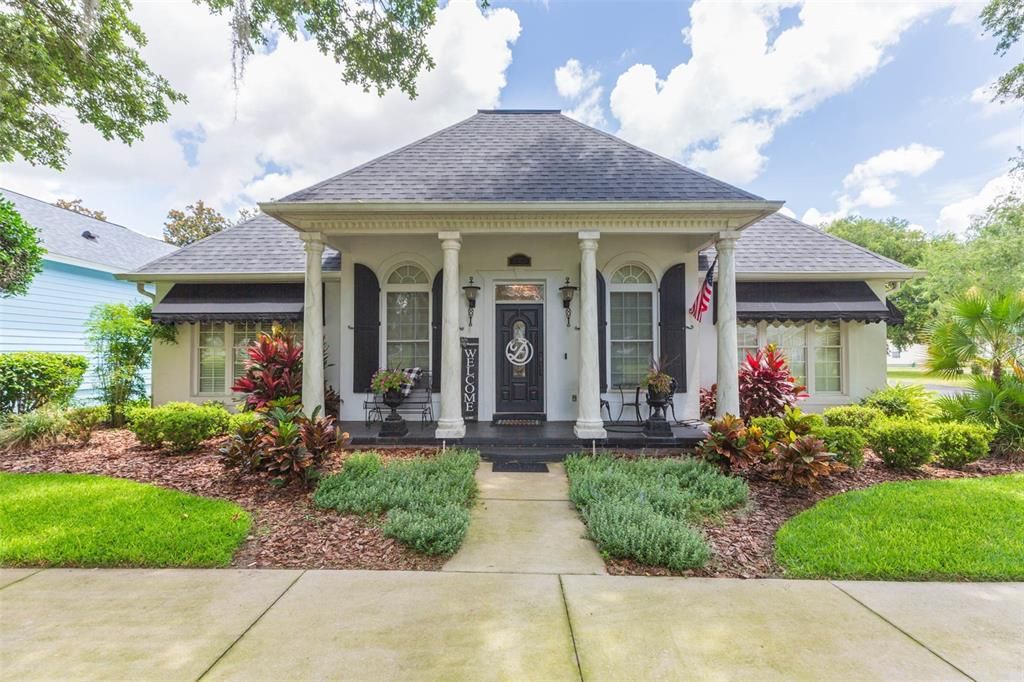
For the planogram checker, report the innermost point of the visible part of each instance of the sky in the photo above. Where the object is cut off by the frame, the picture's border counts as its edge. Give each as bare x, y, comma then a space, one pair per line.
875, 109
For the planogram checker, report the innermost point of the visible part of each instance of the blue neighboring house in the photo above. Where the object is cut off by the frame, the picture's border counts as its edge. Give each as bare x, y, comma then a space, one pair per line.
78, 273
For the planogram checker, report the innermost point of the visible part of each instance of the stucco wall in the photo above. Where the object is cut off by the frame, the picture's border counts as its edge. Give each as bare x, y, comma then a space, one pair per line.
555, 257
863, 363
174, 374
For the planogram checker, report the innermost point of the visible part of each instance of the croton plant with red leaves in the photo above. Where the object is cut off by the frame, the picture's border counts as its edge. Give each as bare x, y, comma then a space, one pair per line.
767, 387
274, 370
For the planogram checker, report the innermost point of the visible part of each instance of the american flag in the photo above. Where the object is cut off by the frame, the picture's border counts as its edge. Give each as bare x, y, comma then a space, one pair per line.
703, 299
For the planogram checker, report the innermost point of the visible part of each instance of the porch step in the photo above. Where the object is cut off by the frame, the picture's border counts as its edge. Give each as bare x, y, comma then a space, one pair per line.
530, 454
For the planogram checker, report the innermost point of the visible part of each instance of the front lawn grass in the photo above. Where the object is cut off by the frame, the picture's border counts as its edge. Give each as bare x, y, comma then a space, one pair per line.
646, 509
81, 520
962, 529
426, 500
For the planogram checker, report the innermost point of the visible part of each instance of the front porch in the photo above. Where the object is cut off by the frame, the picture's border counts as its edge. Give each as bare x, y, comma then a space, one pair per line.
545, 440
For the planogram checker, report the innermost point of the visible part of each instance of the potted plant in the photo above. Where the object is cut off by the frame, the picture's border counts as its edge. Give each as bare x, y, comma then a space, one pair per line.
660, 387
388, 383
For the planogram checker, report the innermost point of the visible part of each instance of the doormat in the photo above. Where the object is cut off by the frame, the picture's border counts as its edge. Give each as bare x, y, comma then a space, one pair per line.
516, 421
519, 468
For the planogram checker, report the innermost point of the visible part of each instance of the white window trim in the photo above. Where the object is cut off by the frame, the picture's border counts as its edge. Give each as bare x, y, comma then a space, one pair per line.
387, 288
810, 345
651, 288
229, 362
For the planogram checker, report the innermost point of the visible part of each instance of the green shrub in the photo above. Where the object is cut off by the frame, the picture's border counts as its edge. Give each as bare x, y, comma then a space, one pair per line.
901, 443
182, 426
243, 421
846, 443
426, 500
38, 428
433, 530
82, 421
363, 465
999, 405
801, 424
629, 530
30, 379
906, 401
773, 428
121, 338
957, 444
645, 509
857, 417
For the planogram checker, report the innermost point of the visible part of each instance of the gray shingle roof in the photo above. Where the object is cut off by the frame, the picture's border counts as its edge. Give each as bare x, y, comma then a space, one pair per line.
773, 244
520, 156
61, 233
259, 245
783, 245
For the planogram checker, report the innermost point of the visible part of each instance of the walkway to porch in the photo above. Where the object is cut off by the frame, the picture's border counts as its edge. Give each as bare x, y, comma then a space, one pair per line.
548, 438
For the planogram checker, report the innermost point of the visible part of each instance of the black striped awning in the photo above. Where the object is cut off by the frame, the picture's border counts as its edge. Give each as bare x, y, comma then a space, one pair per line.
256, 301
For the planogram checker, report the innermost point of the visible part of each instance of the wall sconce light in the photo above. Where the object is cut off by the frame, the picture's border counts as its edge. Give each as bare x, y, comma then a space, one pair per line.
471, 290
567, 291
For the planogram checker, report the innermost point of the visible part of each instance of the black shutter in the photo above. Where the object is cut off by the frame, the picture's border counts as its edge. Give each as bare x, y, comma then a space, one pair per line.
602, 330
437, 299
366, 328
673, 324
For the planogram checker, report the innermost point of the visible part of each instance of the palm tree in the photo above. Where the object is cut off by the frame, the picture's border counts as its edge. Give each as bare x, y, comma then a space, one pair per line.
981, 332
984, 335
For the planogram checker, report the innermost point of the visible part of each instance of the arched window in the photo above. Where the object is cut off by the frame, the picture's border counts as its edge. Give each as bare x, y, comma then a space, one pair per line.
407, 315
631, 328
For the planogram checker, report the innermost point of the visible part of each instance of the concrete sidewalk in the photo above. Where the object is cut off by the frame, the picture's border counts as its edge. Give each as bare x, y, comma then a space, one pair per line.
251, 625
525, 523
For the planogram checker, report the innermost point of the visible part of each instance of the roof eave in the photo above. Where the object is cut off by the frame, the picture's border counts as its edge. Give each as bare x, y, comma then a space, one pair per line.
288, 276
278, 208
823, 275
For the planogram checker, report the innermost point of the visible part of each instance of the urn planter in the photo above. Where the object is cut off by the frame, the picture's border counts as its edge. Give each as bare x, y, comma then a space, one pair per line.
657, 425
394, 426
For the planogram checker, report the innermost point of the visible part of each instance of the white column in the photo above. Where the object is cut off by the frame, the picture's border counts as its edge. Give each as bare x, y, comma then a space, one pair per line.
728, 363
313, 327
450, 424
588, 399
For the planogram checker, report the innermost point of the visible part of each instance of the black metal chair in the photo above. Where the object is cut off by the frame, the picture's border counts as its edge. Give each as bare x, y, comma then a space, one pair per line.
635, 403
607, 407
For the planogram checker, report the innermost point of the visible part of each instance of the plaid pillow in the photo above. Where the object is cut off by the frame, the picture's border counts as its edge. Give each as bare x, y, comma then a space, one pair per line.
412, 377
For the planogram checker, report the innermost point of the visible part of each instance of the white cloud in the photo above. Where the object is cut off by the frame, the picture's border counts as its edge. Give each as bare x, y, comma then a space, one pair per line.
580, 87
745, 78
571, 79
956, 217
913, 159
787, 211
813, 216
871, 183
296, 123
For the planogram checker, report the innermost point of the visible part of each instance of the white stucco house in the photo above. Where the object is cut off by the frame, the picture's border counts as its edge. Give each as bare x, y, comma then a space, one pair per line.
465, 246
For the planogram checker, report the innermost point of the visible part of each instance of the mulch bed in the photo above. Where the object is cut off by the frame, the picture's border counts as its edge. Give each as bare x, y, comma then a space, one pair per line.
288, 530
743, 544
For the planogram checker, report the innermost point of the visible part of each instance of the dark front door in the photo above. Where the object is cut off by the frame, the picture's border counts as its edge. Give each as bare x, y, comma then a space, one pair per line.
520, 358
